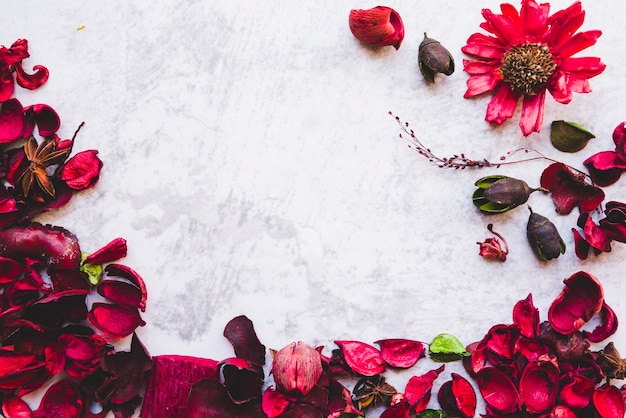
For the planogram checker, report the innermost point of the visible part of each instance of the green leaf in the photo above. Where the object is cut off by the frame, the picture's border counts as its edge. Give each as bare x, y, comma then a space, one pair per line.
445, 348
93, 272
487, 181
569, 136
433, 413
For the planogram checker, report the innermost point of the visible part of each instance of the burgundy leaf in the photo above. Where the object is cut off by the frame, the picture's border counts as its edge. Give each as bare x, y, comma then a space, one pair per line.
570, 189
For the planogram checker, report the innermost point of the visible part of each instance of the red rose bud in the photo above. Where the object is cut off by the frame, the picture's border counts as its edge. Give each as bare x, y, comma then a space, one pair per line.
297, 367
379, 26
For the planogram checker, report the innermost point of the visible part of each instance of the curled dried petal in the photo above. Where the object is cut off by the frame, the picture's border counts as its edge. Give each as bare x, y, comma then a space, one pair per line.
570, 189
62, 399
115, 320
379, 26
11, 120
607, 326
526, 317
457, 397
134, 278
418, 389
399, 352
576, 391
82, 171
362, 358
498, 390
581, 298
114, 250
240, 332
609, 401
539, 386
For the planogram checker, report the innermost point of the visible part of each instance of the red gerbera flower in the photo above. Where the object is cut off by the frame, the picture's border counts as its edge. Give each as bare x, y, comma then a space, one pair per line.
530, 52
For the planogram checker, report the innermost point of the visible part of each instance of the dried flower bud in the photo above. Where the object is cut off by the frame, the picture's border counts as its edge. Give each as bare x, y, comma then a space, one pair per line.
497, 194
569, 136
492, 247
433, 58
297, 367
379, 26
544, 237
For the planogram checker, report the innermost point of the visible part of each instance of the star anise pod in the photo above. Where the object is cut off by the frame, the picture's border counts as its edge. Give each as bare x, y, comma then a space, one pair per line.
611, 362
35, 182
372, 391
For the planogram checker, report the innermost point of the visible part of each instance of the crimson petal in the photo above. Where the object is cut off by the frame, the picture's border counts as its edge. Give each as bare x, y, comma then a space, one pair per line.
526, 317
538, 386
362, 358
604, 168
62, 399
570, 190
581, 298
15, 407
609, 401
31, 81
120, 292
607, 327
418, 389
240, 332
399, 352
498, 390
274, 403
576, 391
82, 171
133, 277
11, 120
242, 379
114, 250
45, 117
208, 398
114, 320
457, 397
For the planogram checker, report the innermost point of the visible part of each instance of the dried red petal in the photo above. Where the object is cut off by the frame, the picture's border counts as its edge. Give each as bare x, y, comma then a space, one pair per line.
400, 352
362, 358
31, 81
607, 326
45, 117
379, 26
604, 168
595, 236
539, 386
581, 298
619, 138
478, 358
125, 272
15, 407
54, 245
609, 401
561, 411
11, 120
82, 354
614, 224
399, 410
501, 340
526, 317
580, 245
418, 389
82, 171
457, 397
114, 250
208, 398
570, 189
576, 391
10, 270
170, 384
498, 390
296, 368
62, 399
114, 320
240, 332
242, 379
274, 403
121, 293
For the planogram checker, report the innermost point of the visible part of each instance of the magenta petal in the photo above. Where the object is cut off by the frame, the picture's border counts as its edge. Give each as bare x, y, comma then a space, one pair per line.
498, 391
609, 401
457, 397
133, 277
274, 403
62, 399
15, 407
400, 352
114, 250
362, 358
607, 327
502, 105
538, 386
7, 85
114, 320
121, 293
11, 120
576, 391
581, 298
418, 389
532, 113
240, 332
31, 81
526, 317
45, 117
82, 171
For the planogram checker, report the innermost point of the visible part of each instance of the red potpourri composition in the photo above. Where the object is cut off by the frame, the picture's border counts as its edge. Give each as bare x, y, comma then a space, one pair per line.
52, 335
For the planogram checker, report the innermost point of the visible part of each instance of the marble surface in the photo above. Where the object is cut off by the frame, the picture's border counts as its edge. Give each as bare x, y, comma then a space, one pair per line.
251, 164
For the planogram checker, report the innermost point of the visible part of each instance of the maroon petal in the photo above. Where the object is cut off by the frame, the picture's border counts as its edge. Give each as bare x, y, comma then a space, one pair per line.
10, 270
7, 85
125, 272
114, 320
595, 236
501, 340
581, 298
457, 397
580, 245
609, 401
122, 293
362, 358
82, 171
619, 138
418, 389
498, 390
242, 379
605, 168
114, 250
11, 120
31, 81
538, 386
401, 353
208, 398
240, 332
274, 403
16, 53
576, 391
45, 117
62, 399
170, 384
526, 317
607, 326
15, 407
569, 189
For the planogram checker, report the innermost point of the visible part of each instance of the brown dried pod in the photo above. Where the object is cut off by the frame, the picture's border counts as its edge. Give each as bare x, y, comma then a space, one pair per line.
544, 237
433, 58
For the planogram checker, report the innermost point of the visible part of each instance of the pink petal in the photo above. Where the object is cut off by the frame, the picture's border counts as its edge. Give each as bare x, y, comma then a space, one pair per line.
532, 113
609, 401
82, 171
11, 120
7, 85
400, 352
502, 105
62, 399
576, 391
595, 236
535, 19
15, 407
538, 386
379, 26
583, 67
121, 293
114, 250
362, 358
45, 117
569, 189
579, 42
479, 84
274, 403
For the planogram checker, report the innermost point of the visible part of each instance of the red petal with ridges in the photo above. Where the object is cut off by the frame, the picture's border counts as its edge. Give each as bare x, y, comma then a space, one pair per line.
498, 390
502, 105
609, 401
570, 190
607, 327
418, 389
82, 171
114, 250
274, 403
457, 397
362, 358
15, 407
401, 353
11, 120
576, 391
581, 298
62, 399
114, 320
131, 275
532, 113
539, 386
526, 317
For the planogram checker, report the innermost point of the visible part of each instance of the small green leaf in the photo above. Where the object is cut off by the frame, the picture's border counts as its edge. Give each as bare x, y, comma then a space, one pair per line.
93, 272
569, 136
487, 181
433, 413
445, 348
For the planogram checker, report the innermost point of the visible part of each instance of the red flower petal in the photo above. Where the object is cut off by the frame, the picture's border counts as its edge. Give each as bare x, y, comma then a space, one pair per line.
538, 386
208, 398
457, 397
526, 317
502, 105
31, 81
82, 171
11, 120
400, 352
7, 85
580, 245
45, 117
609, 401
242, 379
570, 190
114, 320
418, 389
121, 293
274, 403
62, 399
498, 391
15, 407
133, 277
595, 236
114, 250
576, 391
240, 332
532, 113
581, 298
607, 326
379, 26
362, 358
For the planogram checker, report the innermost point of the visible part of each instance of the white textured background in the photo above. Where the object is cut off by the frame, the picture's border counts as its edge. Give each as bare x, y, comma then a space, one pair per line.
252, 166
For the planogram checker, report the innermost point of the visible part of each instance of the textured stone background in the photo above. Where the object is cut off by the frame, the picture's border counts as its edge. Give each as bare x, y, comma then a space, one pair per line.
252, 166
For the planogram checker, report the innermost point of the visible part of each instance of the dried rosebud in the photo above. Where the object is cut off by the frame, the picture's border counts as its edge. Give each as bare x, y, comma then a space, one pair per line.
569, 136
543, 237
433, 58
492, 247
297, 368
497, 194
379, 26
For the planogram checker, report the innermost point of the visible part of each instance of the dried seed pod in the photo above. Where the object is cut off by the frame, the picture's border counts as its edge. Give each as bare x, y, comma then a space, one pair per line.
544, 237
497, 194
433, 58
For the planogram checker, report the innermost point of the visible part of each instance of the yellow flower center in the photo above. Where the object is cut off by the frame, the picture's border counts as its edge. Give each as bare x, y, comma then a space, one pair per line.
527, 68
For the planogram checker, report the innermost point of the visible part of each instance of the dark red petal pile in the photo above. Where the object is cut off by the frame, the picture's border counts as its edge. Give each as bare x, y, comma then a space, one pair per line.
598, 237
